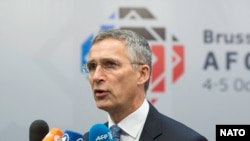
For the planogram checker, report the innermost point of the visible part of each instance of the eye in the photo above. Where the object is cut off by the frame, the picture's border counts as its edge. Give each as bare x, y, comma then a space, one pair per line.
109, 64
92, 66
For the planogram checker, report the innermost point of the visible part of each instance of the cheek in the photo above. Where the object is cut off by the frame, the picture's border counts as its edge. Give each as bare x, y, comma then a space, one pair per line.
125, 84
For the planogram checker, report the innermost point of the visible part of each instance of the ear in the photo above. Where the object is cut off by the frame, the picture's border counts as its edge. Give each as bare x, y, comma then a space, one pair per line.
144, 74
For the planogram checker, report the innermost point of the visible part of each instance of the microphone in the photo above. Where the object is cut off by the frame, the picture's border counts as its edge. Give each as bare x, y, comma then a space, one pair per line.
38, 130
100, 132
72, 136
54, 134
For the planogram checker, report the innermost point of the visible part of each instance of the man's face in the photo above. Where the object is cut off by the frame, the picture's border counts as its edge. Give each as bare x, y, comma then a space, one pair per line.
114, 82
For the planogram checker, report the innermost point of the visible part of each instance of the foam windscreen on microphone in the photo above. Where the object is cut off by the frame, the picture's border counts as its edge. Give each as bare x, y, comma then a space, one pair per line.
38, 130
100, 132
72, 136
54, 134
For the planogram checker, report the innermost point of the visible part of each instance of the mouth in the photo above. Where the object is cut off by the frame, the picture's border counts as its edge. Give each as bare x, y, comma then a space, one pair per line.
100, 94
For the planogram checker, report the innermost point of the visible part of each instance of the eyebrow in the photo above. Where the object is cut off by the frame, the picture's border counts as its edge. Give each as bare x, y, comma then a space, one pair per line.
104, 59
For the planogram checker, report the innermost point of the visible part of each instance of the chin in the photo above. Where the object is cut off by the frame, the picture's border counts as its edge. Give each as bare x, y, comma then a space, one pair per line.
103, 105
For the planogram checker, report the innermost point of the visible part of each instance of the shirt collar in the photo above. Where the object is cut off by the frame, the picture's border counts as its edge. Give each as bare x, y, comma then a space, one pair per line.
134, 122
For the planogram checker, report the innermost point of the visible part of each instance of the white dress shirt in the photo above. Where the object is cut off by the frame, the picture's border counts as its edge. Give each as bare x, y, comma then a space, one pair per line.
133, 124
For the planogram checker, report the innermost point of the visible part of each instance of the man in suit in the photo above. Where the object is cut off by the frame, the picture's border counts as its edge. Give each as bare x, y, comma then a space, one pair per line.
119, 67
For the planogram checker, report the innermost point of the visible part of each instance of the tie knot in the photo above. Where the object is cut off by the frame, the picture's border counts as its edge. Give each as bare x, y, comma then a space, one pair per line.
116, 132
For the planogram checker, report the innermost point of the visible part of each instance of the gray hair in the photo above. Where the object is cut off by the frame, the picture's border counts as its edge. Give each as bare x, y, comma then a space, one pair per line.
138, 49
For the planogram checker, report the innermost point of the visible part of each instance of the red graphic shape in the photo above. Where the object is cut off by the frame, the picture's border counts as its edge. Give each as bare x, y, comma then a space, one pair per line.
178, 62
158, 69
153, 100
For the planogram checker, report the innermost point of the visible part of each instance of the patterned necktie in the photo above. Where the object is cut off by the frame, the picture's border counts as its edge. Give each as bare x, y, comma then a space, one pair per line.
116, 132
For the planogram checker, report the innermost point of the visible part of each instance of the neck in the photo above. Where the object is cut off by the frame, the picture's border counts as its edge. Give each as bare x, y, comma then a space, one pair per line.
122, 113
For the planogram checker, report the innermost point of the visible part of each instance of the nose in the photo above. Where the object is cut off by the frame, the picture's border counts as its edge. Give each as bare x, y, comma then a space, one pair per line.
97, 75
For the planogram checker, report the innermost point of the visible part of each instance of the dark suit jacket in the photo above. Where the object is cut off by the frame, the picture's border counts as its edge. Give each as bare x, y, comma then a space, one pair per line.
159, 127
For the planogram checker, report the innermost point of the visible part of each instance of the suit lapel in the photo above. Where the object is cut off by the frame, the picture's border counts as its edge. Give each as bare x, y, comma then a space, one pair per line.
152, 127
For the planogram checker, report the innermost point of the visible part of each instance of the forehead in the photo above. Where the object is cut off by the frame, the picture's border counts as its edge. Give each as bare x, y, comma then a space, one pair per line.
108, 48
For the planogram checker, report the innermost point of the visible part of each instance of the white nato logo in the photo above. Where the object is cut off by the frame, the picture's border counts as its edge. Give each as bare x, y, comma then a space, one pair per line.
65, 137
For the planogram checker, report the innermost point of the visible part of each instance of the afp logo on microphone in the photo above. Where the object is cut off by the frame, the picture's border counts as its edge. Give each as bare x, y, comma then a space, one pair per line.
233, 132
105, 137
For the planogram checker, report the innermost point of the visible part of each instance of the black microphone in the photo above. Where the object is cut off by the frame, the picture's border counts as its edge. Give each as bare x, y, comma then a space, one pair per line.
38, 130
